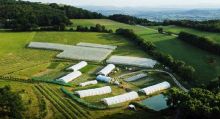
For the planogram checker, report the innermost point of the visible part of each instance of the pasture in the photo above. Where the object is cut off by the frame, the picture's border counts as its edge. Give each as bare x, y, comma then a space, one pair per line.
176, 29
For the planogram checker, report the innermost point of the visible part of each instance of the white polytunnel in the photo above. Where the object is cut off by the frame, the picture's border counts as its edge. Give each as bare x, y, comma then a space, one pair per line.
93, 92
70, 77
155, 88
88, 83
106, 70
78, 66
121, 98
103, 78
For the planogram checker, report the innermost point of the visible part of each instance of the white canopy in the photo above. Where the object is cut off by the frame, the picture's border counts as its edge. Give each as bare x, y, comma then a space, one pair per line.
88, 83
70, 77
121, 98
106, 70
95, 91
78, 66
136, 77
155, 88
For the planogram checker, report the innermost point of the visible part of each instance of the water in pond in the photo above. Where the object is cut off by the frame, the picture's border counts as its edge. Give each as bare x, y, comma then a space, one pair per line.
156, 103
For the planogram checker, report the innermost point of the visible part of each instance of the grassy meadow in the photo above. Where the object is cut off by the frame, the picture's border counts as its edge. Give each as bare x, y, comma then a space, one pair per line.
176, 29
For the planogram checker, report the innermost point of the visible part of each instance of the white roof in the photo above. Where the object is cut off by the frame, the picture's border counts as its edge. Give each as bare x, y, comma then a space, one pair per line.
97, 45
133, 61
78, 66
136, 77
74, 52
155, 88
88, 83
121, 98
95, 91
106, 70
70, 77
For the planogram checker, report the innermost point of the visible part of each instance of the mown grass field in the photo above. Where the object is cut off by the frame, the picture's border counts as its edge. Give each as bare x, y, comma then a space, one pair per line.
170, 44
177, 29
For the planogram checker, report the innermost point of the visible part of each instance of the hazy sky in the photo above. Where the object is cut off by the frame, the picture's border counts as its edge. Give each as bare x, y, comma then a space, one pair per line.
144, 3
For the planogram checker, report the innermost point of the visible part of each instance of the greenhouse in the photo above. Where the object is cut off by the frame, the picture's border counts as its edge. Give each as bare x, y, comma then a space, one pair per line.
70, 76
78, 66
155, 88
93, 92
103, 78
132, 61
136, 77
106, 70
121, 98
88, 83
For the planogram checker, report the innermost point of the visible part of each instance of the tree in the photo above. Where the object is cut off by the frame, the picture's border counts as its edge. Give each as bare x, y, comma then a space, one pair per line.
160, 30
10, 103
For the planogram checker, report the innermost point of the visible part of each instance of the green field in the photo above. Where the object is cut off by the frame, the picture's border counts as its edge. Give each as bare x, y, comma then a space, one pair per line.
177, 29
170, 44
18, 61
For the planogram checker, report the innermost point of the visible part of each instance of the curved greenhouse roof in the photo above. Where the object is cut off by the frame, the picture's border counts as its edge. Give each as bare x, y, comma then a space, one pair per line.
78, 66
106, 70
93, 92
70, 77
155, 88
121, 98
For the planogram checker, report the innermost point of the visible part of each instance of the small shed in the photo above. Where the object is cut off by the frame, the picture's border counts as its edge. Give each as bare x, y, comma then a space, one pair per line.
103, 78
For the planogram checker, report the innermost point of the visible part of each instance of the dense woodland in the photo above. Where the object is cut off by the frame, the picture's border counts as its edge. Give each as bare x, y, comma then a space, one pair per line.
96, 28
198, 103
21, 16
210, 25
200, 42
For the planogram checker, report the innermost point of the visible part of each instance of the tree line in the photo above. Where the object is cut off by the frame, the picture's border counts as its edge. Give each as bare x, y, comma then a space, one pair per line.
187, 72
200, 42
210, 25
23, 16
132, 20
96, 28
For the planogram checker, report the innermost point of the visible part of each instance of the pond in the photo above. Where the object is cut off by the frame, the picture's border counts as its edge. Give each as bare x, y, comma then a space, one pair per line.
156, 103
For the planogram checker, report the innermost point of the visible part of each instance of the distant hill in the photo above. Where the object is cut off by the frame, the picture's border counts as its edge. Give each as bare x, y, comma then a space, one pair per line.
159, 14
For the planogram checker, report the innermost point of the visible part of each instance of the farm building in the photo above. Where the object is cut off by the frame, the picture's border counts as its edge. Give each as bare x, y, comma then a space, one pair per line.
70, 76
93, 92
132, 61
88, 83
103, 78
106, 70
136, 77
158, 87
78, 66
121, 98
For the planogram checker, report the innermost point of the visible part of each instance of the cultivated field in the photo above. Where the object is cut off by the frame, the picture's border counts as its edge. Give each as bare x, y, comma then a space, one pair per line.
199, 59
